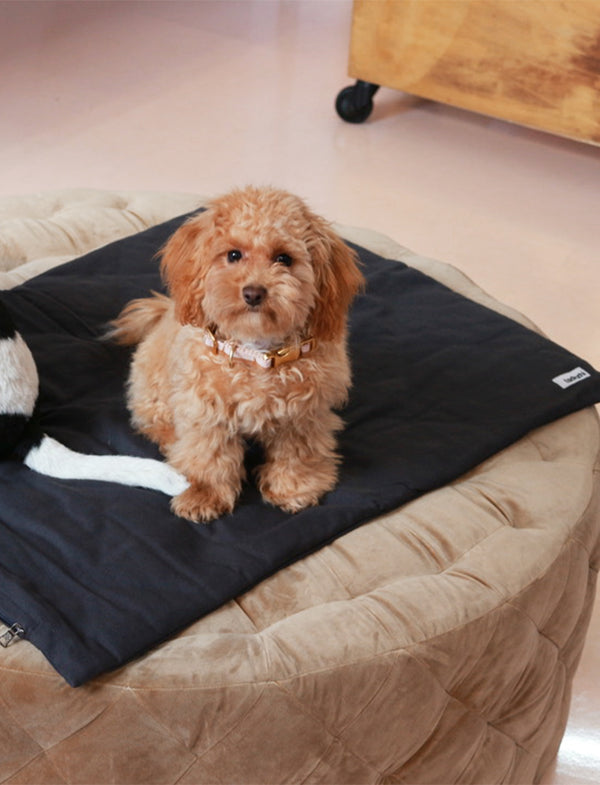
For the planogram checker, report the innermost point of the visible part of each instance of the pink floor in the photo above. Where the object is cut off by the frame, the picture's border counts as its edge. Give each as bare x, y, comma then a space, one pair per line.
203, 96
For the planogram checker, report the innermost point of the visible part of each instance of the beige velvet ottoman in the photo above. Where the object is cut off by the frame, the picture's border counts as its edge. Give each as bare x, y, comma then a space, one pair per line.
436, 644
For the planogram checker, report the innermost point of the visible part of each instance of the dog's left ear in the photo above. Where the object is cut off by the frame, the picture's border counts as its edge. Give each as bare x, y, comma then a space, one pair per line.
338, 280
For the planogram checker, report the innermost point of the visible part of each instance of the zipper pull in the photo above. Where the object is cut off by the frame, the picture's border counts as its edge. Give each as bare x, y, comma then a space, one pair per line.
11, 635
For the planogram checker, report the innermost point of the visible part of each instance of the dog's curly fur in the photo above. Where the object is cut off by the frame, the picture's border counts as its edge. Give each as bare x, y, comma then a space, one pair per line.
259, 268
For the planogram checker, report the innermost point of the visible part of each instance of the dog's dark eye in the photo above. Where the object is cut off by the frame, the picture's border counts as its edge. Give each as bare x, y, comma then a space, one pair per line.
234, 256
284, 258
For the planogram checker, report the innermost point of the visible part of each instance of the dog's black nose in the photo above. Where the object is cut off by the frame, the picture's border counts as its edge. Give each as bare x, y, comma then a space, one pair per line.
254, 295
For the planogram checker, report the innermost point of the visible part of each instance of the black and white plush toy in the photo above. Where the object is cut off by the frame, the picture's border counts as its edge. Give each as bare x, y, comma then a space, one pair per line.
19, 387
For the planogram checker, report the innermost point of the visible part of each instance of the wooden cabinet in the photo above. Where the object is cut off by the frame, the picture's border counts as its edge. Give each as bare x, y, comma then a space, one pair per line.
533, 62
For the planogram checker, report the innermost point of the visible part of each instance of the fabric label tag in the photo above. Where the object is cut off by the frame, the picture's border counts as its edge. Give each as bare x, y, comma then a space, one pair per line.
571, 377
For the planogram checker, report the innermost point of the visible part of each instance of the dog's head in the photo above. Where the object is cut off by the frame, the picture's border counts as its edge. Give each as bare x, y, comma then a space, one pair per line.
262, 267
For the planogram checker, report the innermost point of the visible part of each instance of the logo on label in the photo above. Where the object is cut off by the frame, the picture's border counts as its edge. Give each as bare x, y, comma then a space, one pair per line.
571, 377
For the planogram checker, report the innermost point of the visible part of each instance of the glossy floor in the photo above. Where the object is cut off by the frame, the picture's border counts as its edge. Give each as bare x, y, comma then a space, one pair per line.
203, 96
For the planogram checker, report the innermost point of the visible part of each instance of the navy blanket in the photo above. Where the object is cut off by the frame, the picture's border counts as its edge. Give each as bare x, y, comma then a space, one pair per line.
97, 573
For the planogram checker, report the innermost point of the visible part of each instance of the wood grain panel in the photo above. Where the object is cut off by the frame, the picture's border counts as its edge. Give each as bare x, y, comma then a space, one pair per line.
534, 62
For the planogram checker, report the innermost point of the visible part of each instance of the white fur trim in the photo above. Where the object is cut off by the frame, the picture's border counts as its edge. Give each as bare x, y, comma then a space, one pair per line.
55, 460
18, 377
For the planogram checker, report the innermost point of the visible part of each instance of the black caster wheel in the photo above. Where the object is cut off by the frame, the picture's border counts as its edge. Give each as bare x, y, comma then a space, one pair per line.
355, 103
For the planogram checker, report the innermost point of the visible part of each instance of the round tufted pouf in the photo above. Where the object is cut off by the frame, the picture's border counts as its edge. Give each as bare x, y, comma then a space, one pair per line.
435, 644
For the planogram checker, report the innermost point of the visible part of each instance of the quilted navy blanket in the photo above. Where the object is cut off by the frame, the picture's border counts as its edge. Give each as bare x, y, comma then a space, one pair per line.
96, 573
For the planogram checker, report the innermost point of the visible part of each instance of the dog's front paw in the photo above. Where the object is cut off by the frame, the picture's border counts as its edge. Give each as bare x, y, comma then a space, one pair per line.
294, 491
201, 504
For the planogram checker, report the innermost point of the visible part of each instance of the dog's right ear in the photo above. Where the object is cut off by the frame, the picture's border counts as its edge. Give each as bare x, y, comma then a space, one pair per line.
183, 271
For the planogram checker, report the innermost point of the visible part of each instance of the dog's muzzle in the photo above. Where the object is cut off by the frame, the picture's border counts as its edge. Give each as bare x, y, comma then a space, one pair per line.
254, 295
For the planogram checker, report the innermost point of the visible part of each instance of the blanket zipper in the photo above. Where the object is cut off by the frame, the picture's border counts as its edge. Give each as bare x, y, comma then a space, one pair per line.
13, 633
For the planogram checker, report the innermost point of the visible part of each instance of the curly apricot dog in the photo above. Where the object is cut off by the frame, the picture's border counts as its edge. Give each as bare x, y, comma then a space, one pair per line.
250, 343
